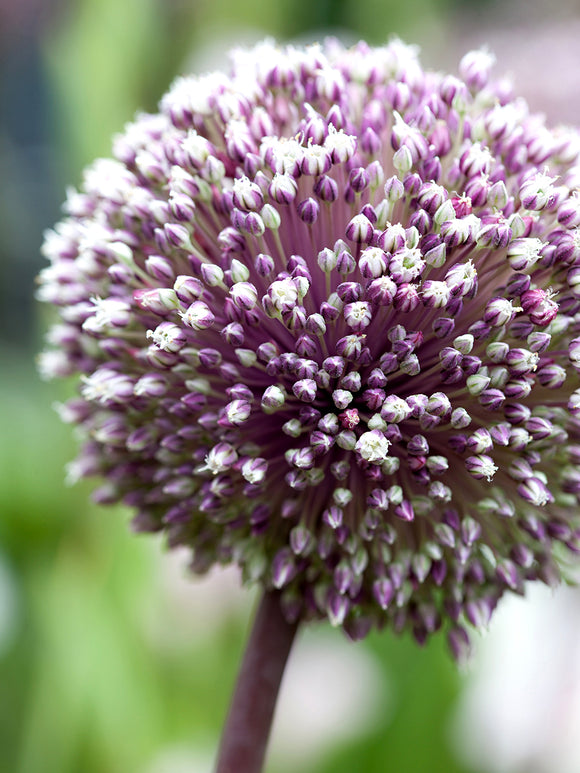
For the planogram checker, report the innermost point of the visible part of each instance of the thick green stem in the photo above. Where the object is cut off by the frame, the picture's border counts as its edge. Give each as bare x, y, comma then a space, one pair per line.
247, 727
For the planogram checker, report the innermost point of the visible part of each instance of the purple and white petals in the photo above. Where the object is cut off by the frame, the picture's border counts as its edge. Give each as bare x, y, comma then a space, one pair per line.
325, 314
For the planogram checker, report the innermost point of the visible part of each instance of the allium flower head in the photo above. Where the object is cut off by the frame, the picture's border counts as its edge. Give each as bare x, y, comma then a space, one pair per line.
325, 312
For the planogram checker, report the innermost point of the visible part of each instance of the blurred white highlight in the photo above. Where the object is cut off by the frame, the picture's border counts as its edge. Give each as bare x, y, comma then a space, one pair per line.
520, 711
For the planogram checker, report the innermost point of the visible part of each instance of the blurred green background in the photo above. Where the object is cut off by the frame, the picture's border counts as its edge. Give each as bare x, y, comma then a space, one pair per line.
111, 660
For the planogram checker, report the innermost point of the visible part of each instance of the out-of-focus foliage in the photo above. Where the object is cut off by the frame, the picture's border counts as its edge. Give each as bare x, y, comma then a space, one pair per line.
106, 59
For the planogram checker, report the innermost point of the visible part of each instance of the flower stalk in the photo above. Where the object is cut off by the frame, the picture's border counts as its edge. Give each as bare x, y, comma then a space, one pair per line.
247, 727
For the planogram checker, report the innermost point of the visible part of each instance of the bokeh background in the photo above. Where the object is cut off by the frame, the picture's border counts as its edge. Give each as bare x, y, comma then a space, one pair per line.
113, 660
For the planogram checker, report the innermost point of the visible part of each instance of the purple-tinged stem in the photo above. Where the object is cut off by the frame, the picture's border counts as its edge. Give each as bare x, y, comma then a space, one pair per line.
247, 727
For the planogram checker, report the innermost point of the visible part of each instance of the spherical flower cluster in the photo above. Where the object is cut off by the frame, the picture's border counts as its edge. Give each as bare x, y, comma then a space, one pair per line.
326, 316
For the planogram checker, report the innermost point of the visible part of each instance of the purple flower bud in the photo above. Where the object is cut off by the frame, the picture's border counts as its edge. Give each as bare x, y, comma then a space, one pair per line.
405, 511
534, 491
359, 229
333, 516
475, 69
405, 136
384, 592
358, 179
395, 409
498, 312
394, 189
459, 644
308, 211
305, 389
198, 316
496, 234
551, 375
338, 606
538, 305
326, 189
283, 568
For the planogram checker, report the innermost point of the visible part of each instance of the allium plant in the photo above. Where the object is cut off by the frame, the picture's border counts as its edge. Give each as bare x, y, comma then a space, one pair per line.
325, 311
